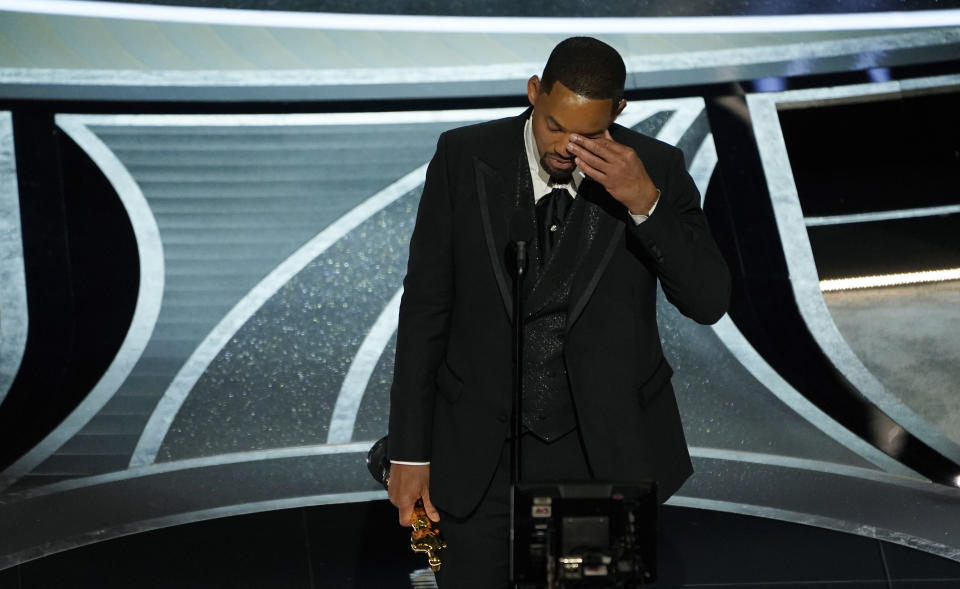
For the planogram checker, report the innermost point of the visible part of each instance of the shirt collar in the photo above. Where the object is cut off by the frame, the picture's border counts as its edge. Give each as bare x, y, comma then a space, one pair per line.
541, 179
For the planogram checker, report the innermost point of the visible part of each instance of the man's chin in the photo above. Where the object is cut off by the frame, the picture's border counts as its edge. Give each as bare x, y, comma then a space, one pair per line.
558, 175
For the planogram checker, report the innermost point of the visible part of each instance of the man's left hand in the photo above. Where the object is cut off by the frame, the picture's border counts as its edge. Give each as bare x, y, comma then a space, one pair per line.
617, 167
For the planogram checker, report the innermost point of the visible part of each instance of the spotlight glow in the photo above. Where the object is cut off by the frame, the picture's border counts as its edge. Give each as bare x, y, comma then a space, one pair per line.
890, 280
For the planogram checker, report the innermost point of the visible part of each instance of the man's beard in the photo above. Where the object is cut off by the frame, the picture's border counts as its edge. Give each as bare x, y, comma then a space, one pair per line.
556, 176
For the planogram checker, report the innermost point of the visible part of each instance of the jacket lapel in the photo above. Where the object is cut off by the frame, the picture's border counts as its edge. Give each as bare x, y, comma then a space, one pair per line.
502, 189
504, 185
605, 224
581, 255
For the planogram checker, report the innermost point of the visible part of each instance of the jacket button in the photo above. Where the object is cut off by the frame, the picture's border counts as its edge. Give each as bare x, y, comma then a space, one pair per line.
502, 418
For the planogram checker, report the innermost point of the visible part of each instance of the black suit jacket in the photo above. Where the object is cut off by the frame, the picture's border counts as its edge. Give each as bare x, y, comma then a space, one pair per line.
450, 400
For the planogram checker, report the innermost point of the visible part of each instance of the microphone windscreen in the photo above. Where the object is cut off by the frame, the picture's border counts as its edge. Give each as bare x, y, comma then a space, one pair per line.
521, 226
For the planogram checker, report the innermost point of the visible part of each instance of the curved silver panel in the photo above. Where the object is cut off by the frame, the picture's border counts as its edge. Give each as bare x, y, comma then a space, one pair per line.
804, 279
150, 293
13, 290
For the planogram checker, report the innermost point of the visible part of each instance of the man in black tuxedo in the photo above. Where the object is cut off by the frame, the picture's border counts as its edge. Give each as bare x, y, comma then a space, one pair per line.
613, 211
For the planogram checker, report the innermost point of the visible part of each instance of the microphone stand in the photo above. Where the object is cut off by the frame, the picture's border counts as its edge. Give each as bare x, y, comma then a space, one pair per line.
521, 251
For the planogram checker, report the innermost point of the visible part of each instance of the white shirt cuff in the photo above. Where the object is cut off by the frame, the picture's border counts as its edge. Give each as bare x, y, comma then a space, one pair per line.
641, 218
409, 463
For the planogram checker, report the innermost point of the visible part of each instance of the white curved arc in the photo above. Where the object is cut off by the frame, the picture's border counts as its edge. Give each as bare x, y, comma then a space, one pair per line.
804, 279
482, 24
361, 447
163, 415
355, 383
819, 521
192, 463
14, 319
817, 466
319, 119
149, 297
881, 215
116, 531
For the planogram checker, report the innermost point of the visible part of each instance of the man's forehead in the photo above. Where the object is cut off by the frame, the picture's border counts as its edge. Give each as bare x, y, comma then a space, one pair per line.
578, 126
576, 113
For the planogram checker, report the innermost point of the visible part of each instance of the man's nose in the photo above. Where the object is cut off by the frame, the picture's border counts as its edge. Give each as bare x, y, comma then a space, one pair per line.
562, 148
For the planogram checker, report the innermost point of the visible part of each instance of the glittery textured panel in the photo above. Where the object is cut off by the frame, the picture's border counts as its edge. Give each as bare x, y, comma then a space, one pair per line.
275, 384
723, 406
375, 408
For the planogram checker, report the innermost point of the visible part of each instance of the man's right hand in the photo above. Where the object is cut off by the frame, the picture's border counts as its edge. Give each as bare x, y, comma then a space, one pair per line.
407, 484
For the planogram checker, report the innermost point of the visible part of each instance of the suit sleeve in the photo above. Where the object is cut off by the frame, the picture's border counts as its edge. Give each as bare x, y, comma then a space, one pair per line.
424, 317
691, 270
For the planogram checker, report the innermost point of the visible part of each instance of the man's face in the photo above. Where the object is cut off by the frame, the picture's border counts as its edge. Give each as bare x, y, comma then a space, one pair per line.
557, 114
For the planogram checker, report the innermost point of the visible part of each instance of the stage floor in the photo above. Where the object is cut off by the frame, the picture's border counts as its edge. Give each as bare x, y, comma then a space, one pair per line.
359, 546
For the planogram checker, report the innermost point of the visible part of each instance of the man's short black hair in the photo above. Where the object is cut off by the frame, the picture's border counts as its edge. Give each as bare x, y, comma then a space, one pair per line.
587, 67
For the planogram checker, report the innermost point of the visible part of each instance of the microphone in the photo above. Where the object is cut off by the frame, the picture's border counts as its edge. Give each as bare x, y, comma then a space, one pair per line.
521, 233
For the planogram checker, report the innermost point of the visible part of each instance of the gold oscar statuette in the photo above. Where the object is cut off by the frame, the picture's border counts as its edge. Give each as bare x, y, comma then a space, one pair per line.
425, 537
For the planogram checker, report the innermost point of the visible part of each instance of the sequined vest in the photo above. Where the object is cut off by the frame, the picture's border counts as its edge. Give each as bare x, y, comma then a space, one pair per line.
548, 410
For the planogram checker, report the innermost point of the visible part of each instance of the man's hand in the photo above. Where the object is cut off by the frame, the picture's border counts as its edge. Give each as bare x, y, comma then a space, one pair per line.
617, 168
407, 484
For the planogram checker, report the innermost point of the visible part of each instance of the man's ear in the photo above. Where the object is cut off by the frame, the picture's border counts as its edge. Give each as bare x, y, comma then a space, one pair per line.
533, 89
622, 105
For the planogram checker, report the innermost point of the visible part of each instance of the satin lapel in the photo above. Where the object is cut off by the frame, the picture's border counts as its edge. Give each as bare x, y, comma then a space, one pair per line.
524, 198
606, 216
500, 191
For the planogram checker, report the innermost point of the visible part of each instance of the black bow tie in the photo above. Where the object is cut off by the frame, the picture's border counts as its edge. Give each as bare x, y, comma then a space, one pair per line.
552, 211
